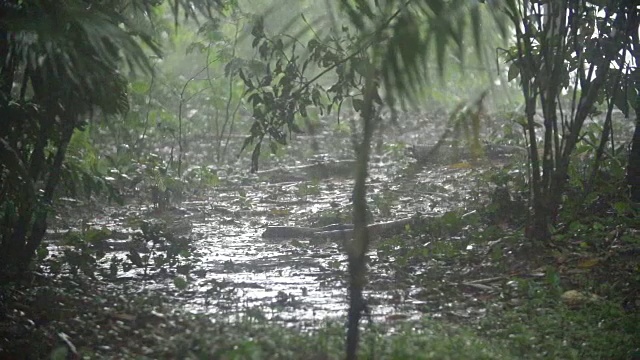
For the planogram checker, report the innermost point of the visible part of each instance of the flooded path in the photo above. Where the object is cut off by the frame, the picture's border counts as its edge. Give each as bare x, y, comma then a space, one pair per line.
299, 281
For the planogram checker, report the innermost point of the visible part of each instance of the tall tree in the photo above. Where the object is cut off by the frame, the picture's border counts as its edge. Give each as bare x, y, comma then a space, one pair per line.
633, 82
575, 46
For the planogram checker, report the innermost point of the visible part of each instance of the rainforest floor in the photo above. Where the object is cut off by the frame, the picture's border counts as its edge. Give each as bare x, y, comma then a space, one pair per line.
575, 298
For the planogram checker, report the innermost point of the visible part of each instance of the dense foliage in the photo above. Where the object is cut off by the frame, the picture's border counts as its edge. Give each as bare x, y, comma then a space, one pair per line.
584, 51
62, 66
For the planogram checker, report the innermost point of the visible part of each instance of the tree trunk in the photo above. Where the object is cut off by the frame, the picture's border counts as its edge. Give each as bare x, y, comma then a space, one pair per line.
633, 168
357, 248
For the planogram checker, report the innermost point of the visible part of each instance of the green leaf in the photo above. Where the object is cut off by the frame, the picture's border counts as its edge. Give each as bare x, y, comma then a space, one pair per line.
180, 282
159, 261
273, 146
135, 258
357, 104
140, 87
622, 208
196, 46
183, 269
59, 353
514, 71
42, 252
621, 102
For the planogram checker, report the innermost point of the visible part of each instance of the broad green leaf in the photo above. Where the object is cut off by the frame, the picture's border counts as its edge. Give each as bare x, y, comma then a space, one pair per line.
180, 282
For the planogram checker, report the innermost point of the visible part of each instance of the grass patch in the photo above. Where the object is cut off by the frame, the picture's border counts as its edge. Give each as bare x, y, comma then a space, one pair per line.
543, 327
424, 340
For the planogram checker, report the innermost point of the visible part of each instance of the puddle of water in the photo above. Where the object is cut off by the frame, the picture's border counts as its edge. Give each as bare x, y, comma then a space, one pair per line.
292, 281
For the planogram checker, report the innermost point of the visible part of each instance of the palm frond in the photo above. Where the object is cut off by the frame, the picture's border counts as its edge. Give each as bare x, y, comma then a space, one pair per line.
76, 49
418, 31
